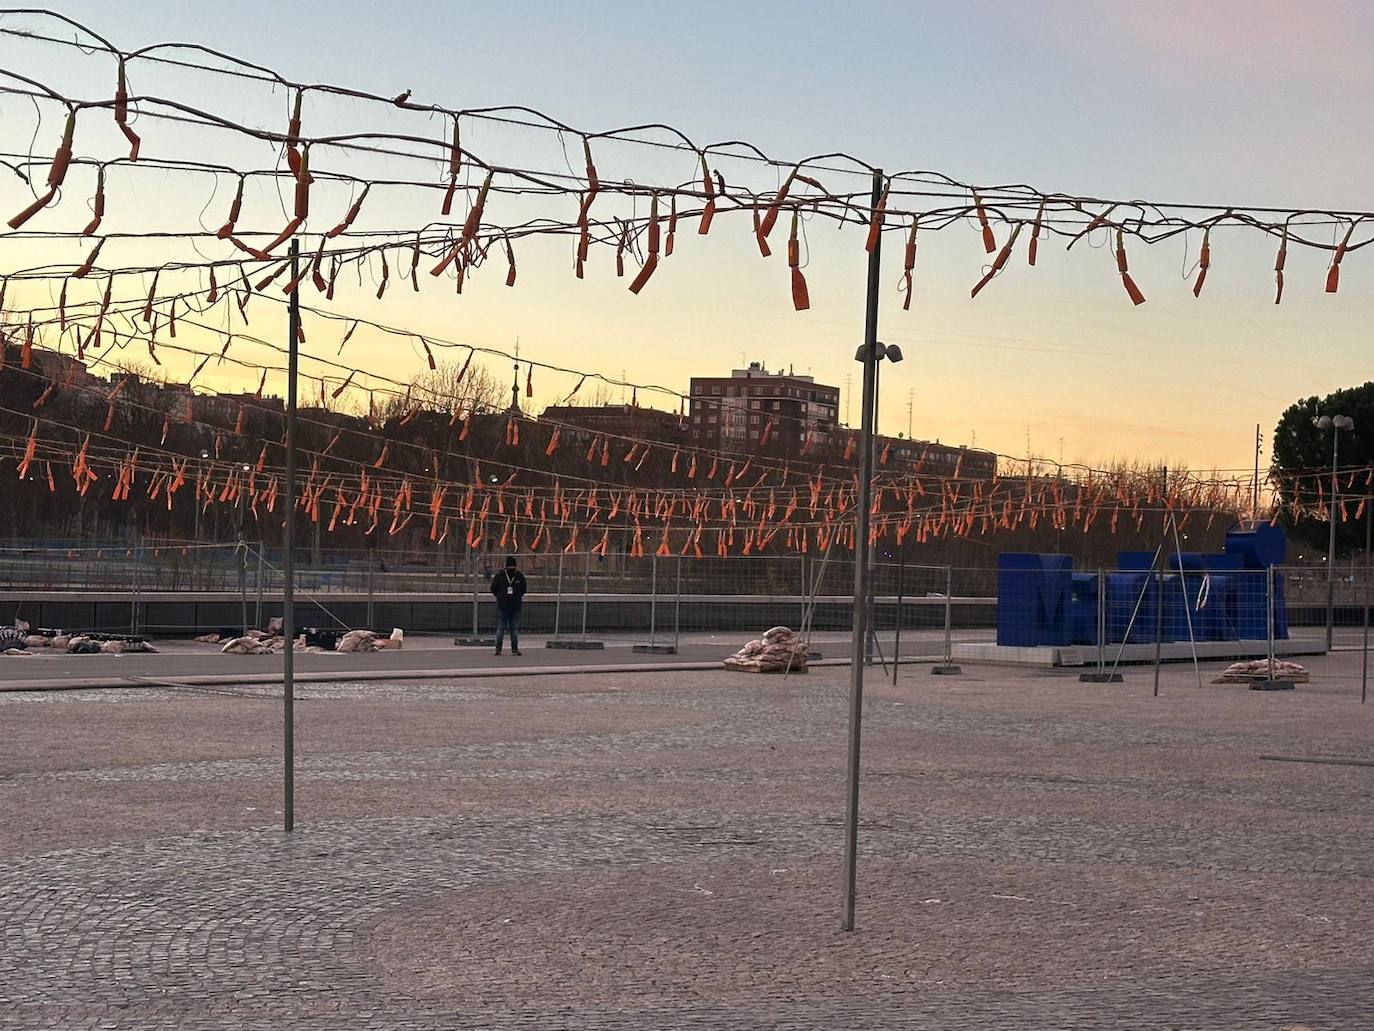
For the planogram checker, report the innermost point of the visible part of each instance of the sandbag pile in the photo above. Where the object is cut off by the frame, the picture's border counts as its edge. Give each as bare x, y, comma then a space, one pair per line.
255, 642
370, 641
19, 641
248, 645
1258, 669
777, 651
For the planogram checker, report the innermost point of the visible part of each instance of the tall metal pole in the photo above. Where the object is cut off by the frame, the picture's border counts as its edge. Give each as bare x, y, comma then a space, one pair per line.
1101, 621
558, 601
1159, 581
472, 564
901, 598
243, 566
1368, 576
871, 428
133, 607
1269, 580
257, 583
586, 591
859, 636
288, 620
677, 608
949, 615
1254, 511
653, 597
371, 590
1331, 510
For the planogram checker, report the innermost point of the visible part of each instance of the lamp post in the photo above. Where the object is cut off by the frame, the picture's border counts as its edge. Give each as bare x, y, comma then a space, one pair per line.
869, 354
1334, 423
195, 554
200, 474
892, 353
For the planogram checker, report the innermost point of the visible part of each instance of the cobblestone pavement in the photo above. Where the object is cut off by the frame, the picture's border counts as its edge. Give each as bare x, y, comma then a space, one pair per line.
619, 851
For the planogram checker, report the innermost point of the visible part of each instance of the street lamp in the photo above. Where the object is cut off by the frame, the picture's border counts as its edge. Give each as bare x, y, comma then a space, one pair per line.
200, 473
1334, 423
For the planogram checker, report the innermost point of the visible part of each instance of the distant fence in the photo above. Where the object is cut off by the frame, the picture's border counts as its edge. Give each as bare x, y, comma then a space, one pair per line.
181, 589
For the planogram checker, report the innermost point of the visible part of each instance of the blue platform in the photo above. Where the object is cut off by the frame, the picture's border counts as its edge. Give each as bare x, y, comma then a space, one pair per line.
1041, 601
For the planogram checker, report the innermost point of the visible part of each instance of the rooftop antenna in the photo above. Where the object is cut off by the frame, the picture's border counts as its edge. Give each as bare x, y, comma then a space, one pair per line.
910, 406
847, 378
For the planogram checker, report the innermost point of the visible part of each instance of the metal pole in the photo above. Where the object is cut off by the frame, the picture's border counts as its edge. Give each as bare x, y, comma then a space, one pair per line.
1331, 539
288, 619
653, 597
1269, 618
371, 591
949, 614
1101, 621
586, 591
677, 606
257, 584
1368, 575
897, 634
243, 569
871, 429
558, 601
859, 635
133, 607
472, 562
1159, 581
1159, 620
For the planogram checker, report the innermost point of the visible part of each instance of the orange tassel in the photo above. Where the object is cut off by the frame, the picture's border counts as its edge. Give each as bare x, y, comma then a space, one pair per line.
708, 187
801, 300
1333, 274
1204, 261
1131, 289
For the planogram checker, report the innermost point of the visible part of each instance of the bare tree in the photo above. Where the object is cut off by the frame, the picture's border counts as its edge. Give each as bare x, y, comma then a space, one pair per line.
447, 387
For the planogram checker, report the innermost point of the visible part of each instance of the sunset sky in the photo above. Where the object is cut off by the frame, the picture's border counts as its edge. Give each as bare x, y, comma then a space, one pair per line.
1227, 102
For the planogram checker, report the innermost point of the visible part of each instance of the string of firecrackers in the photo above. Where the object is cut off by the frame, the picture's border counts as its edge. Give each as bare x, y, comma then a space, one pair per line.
553, 441
151, 313
473, 243
952, 518
449, 402
951, 490
337, 391
1082, 513
556, 516
638, 451
1138, 222
462, 410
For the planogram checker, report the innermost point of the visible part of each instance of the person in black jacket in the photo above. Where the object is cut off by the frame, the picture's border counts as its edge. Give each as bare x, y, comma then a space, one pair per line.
508, 587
